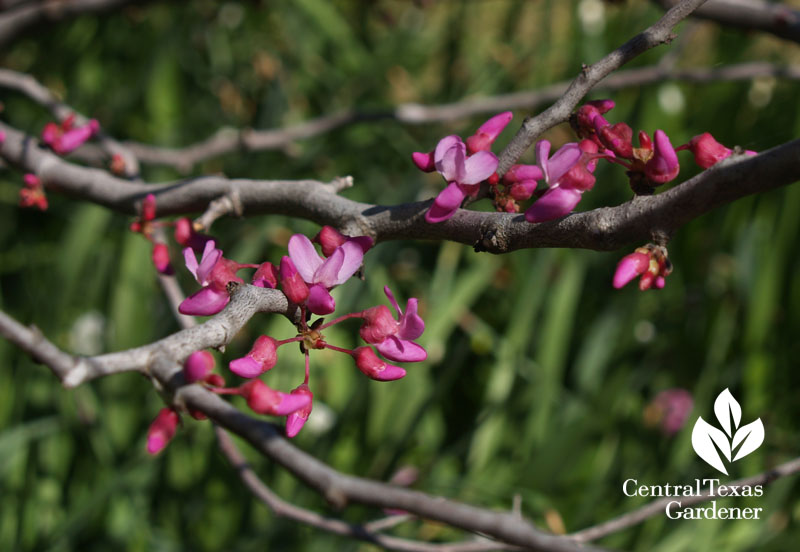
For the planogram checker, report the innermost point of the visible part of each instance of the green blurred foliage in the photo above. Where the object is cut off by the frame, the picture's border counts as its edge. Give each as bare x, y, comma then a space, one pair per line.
539, 372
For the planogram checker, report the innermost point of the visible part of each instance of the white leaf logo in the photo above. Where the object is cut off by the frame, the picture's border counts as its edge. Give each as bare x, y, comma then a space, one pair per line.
708, 441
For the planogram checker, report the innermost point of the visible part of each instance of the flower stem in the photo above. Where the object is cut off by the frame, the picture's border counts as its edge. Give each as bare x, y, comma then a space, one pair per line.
335, 348
341, 319
290, 340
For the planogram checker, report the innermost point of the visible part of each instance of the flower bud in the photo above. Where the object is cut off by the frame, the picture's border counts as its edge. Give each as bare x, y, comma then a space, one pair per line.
264, 400
488, 132
262, 357
198, 366
424, 161
663, 166
292, 283
161, 259
162, 430
373, 367
297, 419
378, 324
329, 238
629, 267
266, 276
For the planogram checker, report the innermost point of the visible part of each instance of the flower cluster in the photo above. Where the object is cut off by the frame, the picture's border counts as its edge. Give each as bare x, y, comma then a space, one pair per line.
669, 410
650, 262
306, 278
32, 195
67, 137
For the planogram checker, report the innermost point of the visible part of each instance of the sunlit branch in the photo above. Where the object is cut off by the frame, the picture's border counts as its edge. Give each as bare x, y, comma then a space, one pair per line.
655, 35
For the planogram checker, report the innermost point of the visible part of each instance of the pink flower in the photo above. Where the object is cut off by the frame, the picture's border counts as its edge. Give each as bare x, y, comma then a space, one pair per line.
323, 274
198, 366
297, 419
266, 276
294, 287
265, 400
66, 138
213, 272
629, 267
329, 238
187, 236
663, 166
162, 430
262, 357
394, 339
373, 367
561, 198
488, 132
32, 195
670, 409
161, 259
707, 151
650, 261
463, 175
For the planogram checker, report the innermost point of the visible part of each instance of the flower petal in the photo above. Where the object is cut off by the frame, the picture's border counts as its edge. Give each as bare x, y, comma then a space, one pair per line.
304, 256
452, 164
562, 161
444, 144
246, 367
353, 257
411, 324
445, 204
479, 167
211, 255
393, 301
401, 350
205, 302
542, 155
319, 300
390, 372
328, 271
556, 202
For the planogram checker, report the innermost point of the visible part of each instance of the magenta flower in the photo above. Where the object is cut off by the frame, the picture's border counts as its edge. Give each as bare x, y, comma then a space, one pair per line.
162, 430
463, 175
323, 274
561, 198
394, 339
297, 419
266, 276
374, 368
650, 261
262, 357
669, 410
213, 272
198, 366
65, 138
707, 151
629, 267
488, 132
663, 166
262, 399
329, 238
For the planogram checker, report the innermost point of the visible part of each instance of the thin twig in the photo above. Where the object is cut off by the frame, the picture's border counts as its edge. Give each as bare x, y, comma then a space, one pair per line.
658, 33
750, 15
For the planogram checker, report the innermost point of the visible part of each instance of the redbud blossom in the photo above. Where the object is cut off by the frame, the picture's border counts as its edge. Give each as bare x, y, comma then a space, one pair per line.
187, 236
32, 195
292, 283
297, 419
373, 367
266, 276
669, 410
162, 430
663, 166
629, 268
161, 259
329, 238
214, 272
198, 366
323, 274
558, 200
262, 357
378, 324
264, 400
65, 138
707, 151
488, 132
424, 161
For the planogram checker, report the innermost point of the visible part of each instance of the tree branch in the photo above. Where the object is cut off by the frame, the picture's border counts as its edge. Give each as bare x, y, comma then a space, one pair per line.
658, 33
33, 89
658, 506
285, 509
750, 15
228, 139
609, 228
